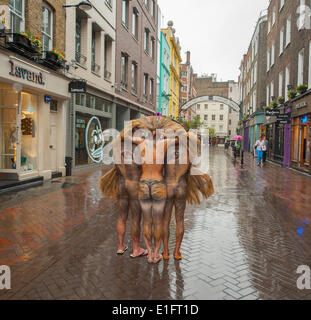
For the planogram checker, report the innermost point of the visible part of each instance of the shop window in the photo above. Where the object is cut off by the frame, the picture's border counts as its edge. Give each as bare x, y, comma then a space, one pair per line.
29, 139
53, 106
81, 99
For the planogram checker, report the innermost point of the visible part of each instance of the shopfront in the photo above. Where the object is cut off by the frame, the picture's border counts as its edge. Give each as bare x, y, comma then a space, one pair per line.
301, 134
33, 103
86, 106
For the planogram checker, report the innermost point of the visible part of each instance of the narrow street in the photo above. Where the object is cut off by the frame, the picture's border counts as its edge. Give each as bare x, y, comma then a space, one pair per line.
245, 242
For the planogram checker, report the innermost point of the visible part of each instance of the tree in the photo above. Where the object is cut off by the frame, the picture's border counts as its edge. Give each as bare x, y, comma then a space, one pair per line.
212, 132
196, 123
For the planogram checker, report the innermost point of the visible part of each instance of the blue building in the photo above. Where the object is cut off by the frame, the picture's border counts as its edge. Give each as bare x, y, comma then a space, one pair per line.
164, 86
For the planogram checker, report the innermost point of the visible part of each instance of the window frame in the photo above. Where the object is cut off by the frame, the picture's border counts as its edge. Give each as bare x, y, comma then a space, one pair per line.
51, 36
13, 12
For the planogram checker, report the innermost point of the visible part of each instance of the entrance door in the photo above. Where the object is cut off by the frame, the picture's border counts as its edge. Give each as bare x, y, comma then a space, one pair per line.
9, 132
53, 140
305, 147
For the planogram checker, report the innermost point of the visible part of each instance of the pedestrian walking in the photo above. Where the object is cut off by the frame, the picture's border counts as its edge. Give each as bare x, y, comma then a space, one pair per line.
260, 148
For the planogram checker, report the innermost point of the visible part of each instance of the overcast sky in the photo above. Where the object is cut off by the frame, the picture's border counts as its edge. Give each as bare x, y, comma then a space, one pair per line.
216, 32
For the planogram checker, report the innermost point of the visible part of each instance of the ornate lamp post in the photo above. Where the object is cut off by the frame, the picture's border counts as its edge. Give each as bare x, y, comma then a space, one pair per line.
83, 5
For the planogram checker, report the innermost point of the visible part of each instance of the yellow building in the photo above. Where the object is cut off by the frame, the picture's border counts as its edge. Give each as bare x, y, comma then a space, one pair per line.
175, 60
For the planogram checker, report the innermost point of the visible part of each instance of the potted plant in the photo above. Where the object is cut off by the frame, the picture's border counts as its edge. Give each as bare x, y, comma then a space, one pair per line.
27, 41
302, 89
273, 105
281, 100
292, 94
55, 56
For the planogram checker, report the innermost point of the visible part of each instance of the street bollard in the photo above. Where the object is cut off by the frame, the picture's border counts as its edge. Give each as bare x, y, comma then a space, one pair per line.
242, 158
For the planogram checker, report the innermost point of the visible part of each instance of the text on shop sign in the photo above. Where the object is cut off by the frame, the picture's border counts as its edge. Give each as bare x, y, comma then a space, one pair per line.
20, 72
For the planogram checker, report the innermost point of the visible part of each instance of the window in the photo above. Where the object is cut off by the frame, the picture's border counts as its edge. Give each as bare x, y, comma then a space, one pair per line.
124, 65
152, 49
230, 122
134, 77
273, 54
280, 84
17, 15
281, 5
135, 23
47, 28
206, 107
213, 117
206, 117
151, 96
221, 117
268, 60
287, 81
281, 41
146, 40
268, 95
153, 8
272, 89
125, 13
93, 51
273, 16
184, 88
221, 107
147, 4
300, 67
288, 30
198, 107
78, 36
109, 3
221, 128
269, 25
107, 57
145, 85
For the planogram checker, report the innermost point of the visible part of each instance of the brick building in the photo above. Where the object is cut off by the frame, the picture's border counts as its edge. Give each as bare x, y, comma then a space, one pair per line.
33, 91
252, 83
187, 88
289, 66
136, 59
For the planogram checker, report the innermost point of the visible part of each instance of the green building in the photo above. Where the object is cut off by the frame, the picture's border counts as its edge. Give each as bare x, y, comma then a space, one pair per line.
164, 87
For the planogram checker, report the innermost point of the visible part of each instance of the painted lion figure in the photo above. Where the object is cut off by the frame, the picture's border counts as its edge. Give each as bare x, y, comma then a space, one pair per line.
153, 175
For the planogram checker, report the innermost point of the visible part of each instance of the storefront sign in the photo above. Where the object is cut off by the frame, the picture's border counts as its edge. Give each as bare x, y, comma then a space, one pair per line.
284, 116
77, 86
23, 73
272, 113
302, 105
284, 121
94, 140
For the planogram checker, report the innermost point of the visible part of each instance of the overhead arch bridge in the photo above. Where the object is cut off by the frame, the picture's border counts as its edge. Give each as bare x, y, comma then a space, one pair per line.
232, 104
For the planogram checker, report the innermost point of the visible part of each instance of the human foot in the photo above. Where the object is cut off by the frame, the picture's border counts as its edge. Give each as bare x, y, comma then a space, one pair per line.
139, 253
178, 256
166, 255
122, 250
157, 258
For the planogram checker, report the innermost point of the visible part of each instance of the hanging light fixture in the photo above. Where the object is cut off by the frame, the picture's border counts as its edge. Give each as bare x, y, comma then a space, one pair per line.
83, 5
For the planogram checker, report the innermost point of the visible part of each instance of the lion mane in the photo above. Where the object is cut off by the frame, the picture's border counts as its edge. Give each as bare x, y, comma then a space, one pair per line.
197, 184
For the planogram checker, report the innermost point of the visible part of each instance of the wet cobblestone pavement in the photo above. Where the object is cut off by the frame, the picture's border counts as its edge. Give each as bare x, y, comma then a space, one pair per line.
245, 242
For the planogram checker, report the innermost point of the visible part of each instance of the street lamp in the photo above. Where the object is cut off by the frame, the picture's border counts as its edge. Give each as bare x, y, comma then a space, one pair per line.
83, 5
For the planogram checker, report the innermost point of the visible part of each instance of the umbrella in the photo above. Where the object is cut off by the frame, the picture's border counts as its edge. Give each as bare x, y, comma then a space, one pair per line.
238, 138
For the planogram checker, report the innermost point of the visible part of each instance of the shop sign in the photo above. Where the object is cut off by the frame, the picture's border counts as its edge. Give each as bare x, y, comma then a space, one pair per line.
302, 105
272, 113
23, 73
77, 86
47, 99
284, 116
94, 140
284, 121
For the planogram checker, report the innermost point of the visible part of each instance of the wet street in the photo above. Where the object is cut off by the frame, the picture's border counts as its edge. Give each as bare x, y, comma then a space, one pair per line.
245, 242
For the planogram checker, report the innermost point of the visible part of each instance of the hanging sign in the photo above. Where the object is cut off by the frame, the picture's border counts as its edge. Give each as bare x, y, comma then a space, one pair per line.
94, 140
284, 121
272, 113
284, 116
77, 86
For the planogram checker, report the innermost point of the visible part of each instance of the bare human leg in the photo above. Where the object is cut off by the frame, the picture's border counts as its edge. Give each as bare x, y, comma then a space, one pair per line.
180, 206
146, 206
158, 209
121, 223
166, 228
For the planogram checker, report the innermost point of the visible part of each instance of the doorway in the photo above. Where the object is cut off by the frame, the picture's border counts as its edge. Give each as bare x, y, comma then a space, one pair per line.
53, 141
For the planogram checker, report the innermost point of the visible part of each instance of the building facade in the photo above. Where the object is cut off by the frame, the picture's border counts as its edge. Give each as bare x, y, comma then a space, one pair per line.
33, 91
229, 91
174, 70
136, 59
90, 47
164, 88
288, 67
253, 84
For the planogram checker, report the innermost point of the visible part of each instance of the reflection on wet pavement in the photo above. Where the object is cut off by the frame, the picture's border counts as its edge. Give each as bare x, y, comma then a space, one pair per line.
245, 242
